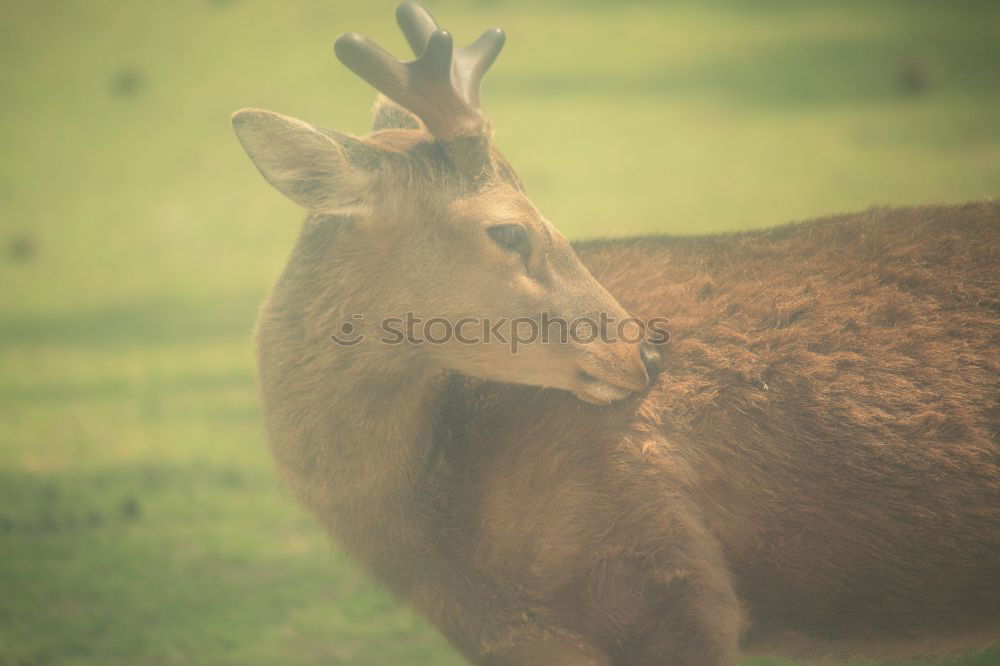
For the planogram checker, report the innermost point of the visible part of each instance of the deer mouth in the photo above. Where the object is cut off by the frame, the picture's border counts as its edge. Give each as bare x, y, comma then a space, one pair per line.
598, 391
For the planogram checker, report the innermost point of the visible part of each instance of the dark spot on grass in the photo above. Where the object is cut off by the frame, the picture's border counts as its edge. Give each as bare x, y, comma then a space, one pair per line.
127, 82
131, 509
912, 78
20, 248
231, 478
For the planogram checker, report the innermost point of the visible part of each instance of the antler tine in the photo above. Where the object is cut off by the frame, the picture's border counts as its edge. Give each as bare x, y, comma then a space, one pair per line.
372, 63
441, 86
472, 62
417, 25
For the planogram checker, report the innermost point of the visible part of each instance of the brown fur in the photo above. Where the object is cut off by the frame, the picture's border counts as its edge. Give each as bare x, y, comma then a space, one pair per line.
815, 472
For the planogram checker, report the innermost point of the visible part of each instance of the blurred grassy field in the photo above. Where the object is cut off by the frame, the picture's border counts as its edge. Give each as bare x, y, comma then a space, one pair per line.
140, 519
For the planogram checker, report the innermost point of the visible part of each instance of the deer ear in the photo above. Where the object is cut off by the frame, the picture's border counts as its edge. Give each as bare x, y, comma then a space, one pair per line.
389, 115
312, 168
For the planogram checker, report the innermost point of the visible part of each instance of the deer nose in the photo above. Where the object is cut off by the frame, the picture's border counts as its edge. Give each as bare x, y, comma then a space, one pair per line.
652, 359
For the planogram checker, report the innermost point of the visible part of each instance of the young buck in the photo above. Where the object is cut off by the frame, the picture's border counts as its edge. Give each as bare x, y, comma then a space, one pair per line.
808, 468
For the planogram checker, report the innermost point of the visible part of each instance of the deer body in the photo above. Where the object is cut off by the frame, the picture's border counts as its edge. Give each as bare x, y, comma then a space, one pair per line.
811, 472
808, 468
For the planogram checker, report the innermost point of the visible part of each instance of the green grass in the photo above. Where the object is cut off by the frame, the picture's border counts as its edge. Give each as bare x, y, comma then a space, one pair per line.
140, 519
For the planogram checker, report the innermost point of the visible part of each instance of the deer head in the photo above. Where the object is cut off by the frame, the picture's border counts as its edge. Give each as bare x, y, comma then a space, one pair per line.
431, 220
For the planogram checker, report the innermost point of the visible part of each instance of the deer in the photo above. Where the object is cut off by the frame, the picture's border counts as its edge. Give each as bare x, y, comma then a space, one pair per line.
808, 467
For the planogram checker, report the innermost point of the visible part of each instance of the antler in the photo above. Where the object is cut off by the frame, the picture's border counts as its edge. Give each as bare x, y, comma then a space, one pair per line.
441, 86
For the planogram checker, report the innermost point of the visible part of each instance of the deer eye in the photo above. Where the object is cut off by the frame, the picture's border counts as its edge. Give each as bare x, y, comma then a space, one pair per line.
510, 237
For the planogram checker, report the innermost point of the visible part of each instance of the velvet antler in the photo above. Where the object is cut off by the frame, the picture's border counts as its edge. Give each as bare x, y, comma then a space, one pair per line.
441, 86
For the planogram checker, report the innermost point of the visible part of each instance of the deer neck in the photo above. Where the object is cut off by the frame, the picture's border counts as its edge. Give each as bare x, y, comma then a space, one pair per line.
350, 426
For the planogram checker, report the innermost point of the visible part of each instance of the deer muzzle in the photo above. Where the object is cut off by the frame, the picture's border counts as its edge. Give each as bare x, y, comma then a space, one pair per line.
615, 371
